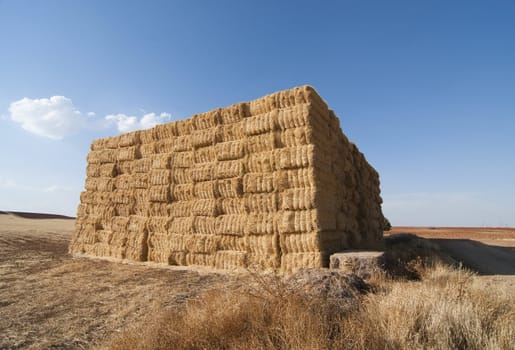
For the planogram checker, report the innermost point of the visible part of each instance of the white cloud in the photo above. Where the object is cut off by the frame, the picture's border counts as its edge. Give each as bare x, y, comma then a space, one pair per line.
126, 123
54, 117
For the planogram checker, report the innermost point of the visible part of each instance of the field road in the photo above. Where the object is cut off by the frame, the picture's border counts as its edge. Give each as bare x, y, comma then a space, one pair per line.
483, 258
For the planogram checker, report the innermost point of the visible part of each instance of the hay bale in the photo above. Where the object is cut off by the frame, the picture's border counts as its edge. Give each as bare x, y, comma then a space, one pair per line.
260, 124
160, 177
260, 202
267, 244
206, 189
206, 120
161, 161
295, 261
296, 221
147, 149
230, 188
205, 207
182, 159
298, 199
205, 155
263, 261
159, 193
182, 192
204, 138
129, 139
311, 242
258, 183
230, 259
231, 224
261, 143
204, 225
182, 225
263, 162
181, 209
182, 143
234, 113
229, 169
141, 165
128, 153
181, 175
231, 132
232, 206
230, 150
294, 157
203, 172
260, 224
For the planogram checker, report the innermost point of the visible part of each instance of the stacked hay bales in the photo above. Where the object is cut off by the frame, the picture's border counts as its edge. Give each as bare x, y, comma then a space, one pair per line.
272, 182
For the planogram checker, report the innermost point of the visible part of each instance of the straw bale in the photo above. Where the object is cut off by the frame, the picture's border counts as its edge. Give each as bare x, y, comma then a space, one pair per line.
232, 206
161, 161
263, 261
294, 157
296, 137
230, 150
296, 261
160, 193
158, 209
205, 155
206, 189
119, 223
182, 225
230, 259
123, 182
137, 249
311, 242
177, 258
198, 243
258, 183
160, 177
158, 223
260, 124
229, 168
205, 207
164, 146
141, 165
182, 143
294, 117
182, 192
87, 197
91, 184
206, 120
257, 107
292, 221
157, 247
181, 175
260, 202
123, 209
139, 181
129, 139
261, 143
230, 188
234, 113
295, 178
184, 127
112, 142
140, 208
263, 244
230, 224
164, 131
140, 195
137, 224
93, 170
145, 136
182, 159
231, 132
260, 224
203, 138
147, 149
98, 144
231, 242
200, 259
261, 162
128, 153
298, 199
204, 225
122, 167
102, 184
181, 208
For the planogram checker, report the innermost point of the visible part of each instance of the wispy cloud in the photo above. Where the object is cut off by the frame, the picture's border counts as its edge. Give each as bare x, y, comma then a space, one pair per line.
125, 123
56, 117
10, 184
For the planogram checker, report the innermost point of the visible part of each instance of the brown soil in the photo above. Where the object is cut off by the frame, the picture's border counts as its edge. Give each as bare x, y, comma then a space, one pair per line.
50, 300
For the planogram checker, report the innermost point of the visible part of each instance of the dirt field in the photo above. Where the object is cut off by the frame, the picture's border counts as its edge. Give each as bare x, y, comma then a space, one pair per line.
49, 300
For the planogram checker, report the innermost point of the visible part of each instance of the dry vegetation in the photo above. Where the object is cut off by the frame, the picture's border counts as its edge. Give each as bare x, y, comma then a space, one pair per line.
50, 300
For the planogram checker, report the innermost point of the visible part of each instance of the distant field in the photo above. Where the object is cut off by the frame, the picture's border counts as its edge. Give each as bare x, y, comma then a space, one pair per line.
499, 235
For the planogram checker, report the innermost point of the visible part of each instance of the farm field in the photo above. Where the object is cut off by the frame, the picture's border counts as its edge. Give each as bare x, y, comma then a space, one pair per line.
49, 299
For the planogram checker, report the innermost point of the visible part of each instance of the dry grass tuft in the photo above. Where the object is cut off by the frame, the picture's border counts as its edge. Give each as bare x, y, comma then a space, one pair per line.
448, 309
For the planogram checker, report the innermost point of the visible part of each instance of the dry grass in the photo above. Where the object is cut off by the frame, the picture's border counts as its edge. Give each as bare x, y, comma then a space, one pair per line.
444, 308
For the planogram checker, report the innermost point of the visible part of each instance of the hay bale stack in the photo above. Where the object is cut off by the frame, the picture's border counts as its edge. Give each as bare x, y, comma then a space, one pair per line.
271, 183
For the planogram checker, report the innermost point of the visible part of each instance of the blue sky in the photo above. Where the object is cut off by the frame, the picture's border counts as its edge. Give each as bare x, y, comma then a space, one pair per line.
426, 89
